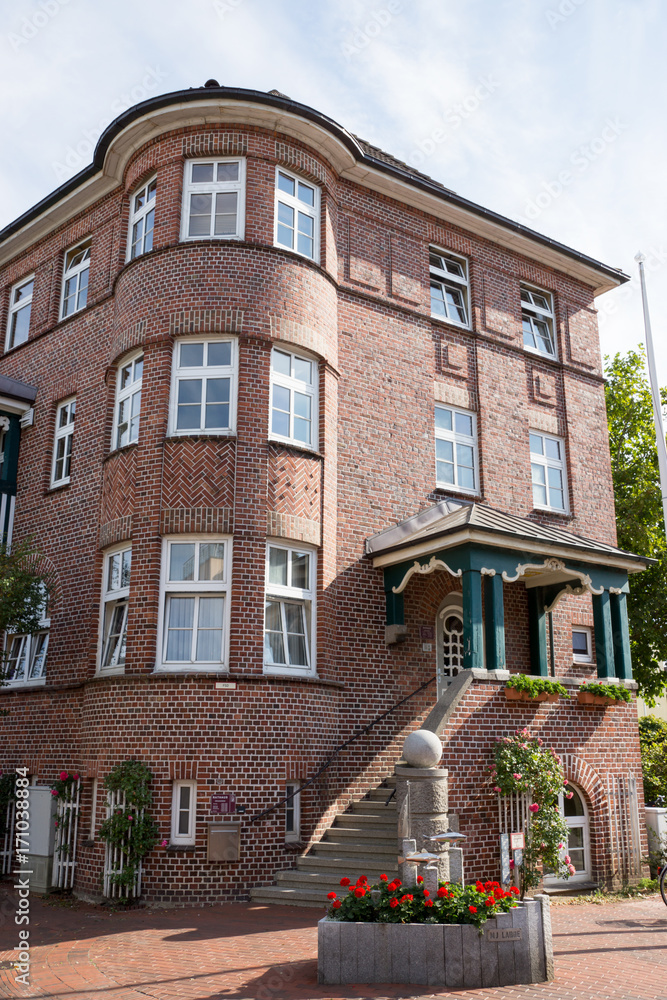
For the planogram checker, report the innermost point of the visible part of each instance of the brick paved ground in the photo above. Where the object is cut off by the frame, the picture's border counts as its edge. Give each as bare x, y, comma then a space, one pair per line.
244, 952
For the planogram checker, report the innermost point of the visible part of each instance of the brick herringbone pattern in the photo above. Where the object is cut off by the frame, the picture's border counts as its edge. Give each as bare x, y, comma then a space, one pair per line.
246, 952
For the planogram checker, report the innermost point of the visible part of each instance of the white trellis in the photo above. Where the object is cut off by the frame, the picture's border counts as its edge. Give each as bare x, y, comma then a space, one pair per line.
624, 829
7, 839
67, 825
513, 812
115, 855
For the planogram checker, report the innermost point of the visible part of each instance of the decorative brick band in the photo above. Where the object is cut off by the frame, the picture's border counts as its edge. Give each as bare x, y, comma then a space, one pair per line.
206, 321
216, 143
191, 520
302, 336
182, 770
302, 529
300, 160
119, 530
125, 340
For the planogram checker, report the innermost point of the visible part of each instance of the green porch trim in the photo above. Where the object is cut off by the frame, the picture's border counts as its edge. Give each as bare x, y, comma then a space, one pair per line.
604, 637
537, 630
9, 467
473, 636
621, 636
494, 623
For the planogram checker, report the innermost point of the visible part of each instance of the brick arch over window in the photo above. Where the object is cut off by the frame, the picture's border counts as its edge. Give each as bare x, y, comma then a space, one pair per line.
581, 774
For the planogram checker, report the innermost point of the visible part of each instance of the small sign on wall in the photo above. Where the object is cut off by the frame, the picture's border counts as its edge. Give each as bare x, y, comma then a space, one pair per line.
223, 803
426, 633
504, 934
517, 841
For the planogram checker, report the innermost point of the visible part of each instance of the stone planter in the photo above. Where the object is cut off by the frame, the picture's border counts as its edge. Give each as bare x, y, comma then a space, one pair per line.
512, 948
513, 695
595, 700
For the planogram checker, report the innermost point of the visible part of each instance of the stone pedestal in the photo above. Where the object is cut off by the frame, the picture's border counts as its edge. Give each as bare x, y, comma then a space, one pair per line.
422, 800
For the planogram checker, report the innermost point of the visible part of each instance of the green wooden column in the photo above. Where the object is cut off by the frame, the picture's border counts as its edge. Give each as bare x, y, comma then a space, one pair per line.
621, 634
604, 635
537, 628
473, 637
494, 622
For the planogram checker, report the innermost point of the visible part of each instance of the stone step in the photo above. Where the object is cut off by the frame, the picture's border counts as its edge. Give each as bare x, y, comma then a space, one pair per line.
295, 878
353, 848
349, 865
380, 795
358, 819
362, 832
374, 806
273, 894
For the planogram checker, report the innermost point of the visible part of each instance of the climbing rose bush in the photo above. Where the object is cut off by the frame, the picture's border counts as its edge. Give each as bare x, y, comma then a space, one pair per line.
390, 902
523, 765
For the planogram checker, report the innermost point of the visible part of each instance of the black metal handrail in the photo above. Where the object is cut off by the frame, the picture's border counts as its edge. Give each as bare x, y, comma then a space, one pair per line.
330, 760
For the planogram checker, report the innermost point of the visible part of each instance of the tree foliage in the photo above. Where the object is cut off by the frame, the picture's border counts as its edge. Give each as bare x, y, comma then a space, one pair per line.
639, 518
23, 589
653, 743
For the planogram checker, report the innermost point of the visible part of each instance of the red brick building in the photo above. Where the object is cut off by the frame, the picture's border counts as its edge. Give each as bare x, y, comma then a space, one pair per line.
299, 428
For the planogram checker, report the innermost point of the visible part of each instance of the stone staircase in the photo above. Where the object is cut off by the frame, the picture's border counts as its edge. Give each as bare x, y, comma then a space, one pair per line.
361, 841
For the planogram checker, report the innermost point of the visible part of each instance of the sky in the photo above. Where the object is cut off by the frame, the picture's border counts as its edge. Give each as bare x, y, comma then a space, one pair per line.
551, 112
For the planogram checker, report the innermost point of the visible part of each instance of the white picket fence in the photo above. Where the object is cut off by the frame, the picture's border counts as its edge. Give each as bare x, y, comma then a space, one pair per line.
624, 828
513, 812
7, 840
67, 825
114, 859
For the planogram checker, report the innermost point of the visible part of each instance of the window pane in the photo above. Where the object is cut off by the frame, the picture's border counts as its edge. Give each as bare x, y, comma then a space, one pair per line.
306, 194
126, 565
539, 495
285, 225
444, 450
302, 404
125, 375
189, 404
437, 300
189, 391
465, 468
455, 304
536, 446
463, 424
211, 561
280, 411
280, 362
555, 478
192, 355
278, 566
179, 628
528, 338
220, 353
225, 213
228, 171
580, 643
573, 806
40, 646
20, 326
182, 561
538, 474
209, 631
556, 499
305, 245
113, 579
202, 172
148, 234
217, 403
300, 570
285, 183
273, 620
200, 215
303, 370
23, 291
552, 448
443, 419
302, 430
274, 646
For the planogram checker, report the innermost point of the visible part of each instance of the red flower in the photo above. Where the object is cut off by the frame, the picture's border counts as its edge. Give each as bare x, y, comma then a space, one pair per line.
428, 902
359, 891
393, 903
76, 777
331, 895
383, 878
362, 880
336, 904
398, 882
411, 898
345, 881
63, 775
420, 878
473, 909
479, 887
489, 902
442, 891
426, 892
514, 890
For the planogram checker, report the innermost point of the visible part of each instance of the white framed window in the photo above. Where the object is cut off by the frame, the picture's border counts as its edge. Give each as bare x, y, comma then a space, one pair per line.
128, 401
537, 317
196, 573
20, 307
297, 221
184, 812
582, 649
25, 661
293, 811
456, 449
203, 391
547, 463
213, 200
142, 220
75, 279
294, 387
450, 287
115, 600
289, 618
574, 810
62, 446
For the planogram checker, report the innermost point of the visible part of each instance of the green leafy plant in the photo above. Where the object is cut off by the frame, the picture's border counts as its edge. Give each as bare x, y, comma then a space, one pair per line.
653, 746
24, 591
535, 686
523, 765
392, 903
7, 795
130, 829
614, 691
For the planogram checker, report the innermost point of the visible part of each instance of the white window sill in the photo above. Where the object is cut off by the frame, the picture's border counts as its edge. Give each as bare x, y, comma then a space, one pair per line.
285, 671
292, 443
26, 685
227, 432
451, 322
451, 488
59, 484
110, 671
199, 239
540, 354
551, 510
587, 661
188, 668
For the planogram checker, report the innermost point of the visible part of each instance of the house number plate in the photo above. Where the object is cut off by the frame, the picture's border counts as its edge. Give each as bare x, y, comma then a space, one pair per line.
506, 934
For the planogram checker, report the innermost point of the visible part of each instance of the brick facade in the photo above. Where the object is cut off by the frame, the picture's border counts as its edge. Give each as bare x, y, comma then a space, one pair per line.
363, 313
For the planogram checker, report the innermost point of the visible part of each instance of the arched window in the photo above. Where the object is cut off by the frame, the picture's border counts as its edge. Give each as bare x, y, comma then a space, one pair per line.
449, 644
575, 813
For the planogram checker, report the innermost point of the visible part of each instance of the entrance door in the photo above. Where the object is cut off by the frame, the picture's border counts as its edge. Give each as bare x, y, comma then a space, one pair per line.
575, 814
450, 645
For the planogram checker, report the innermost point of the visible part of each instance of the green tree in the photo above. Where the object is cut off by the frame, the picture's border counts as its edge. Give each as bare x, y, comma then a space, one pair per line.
639, 519
24, 589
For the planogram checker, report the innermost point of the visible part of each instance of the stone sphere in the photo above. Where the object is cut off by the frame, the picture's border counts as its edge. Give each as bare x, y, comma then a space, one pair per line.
422, 749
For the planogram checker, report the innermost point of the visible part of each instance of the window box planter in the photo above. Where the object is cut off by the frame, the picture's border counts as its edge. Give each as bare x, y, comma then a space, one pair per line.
513, 694
595, 700
512, 948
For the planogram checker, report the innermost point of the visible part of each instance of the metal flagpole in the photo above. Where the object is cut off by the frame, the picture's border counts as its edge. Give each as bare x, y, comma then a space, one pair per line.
655, 391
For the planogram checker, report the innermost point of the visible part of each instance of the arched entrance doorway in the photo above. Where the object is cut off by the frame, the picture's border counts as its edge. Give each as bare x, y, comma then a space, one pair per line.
575, 813
449, 640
